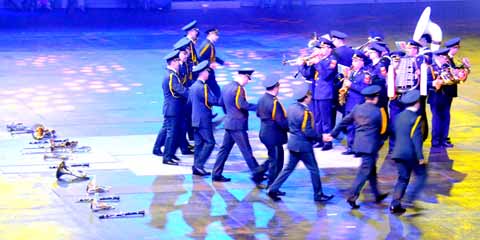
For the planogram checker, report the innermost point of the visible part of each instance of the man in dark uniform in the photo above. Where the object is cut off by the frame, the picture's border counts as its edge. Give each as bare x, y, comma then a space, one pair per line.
302, 135
379, 70
208, 52
274, 126
440, 99
325, 76
411, 77
408, 151
202, 100
370, 132
236, 125
175, 95
344, 55
453, 45
192, 35
184, 71
358, 79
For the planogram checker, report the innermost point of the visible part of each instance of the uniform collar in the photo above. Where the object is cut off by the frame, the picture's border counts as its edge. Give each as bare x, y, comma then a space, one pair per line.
171, 69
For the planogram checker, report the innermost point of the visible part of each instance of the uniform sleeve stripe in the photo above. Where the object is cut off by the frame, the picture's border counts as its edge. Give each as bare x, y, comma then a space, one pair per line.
312, 121
205, 91
315, 76
204, 49
417, 121
274, 111
170, 85
237, 96
384, 121
305, 119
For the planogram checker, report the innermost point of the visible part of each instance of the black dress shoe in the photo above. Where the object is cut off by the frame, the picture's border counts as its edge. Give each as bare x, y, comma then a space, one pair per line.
170, 162
221, 179
199, 172
274, 196
158, 153
381, 197
397, 209
448, 140
322, 198
327, 146
348, 152
258, 178
352, 203
280, 193
175, 158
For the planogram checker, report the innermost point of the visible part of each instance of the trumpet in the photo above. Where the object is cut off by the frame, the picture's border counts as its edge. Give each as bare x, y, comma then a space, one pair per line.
62, 170
123, 215
365, 44
292, 62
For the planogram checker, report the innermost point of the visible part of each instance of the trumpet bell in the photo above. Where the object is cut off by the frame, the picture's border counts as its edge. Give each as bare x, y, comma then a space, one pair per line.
40, 132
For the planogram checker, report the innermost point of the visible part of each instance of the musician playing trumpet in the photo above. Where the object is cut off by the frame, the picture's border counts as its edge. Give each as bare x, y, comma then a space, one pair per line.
321, 71
355, 81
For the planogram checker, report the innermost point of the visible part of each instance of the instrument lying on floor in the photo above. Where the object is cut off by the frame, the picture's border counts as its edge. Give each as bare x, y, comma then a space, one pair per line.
123, 215
63, 170
96, 206
100, 199
93, 188
59, 147
38, 131
74, 165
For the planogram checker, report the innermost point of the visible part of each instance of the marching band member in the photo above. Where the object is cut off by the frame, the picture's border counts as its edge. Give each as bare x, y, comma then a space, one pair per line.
370, 132
325, 74
274, 126
236, 125
358, 79
175, 95
202, 100
379, 70
208, 52
408, 151
192, 34
302, 135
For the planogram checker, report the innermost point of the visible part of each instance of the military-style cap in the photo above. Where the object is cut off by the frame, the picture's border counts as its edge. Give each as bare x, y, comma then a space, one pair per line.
357, 54
410, 97
300, 91
397, 54
190, 26
246, 71
201, 66
325, 42
212, 30
372, 90
382, 43
375, 35
181, 44
443, 51
414, 43
377, 48
271, 80
452, 42
338, 34
171, 55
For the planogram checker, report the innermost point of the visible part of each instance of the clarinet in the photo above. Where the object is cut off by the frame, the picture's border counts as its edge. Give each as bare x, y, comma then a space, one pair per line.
123, 214
101, 199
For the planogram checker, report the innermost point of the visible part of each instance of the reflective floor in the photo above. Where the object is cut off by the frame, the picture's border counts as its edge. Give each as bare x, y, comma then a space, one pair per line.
102, 87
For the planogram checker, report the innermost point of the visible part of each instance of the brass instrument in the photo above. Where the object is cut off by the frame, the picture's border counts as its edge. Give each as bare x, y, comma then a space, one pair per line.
343, 91
63, 170
292, 62
451, 76
41, 132
123, 215
426, 26
313, 41
365, 44
58, 147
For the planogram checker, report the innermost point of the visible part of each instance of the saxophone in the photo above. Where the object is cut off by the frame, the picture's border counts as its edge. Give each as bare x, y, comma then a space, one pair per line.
343, 91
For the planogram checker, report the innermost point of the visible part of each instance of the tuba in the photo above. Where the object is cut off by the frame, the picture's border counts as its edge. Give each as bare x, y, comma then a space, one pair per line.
426, 26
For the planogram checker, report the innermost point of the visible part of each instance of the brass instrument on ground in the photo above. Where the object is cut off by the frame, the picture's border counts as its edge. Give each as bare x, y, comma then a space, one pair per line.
41, 132
63, 170
123, 215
